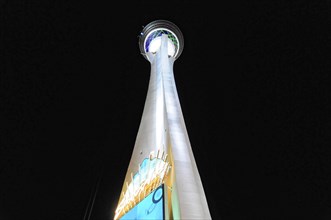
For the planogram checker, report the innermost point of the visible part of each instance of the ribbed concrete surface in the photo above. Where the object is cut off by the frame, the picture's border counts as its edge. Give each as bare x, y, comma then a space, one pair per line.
162, 126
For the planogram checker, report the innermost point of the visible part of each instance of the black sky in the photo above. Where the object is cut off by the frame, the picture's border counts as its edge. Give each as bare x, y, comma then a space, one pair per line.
253, 82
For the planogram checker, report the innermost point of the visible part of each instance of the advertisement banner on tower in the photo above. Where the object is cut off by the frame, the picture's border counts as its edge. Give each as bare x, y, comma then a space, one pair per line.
152, 207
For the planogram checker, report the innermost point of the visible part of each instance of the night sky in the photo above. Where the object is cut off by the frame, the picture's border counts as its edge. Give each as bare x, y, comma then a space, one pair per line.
254, 87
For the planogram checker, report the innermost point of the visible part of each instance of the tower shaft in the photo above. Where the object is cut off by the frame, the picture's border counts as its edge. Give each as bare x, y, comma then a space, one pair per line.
162, 130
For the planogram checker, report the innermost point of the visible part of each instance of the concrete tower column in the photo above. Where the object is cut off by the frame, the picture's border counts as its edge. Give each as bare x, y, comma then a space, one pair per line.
162, 130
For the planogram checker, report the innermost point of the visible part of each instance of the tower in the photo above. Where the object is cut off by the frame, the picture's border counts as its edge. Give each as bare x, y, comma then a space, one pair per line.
162, 180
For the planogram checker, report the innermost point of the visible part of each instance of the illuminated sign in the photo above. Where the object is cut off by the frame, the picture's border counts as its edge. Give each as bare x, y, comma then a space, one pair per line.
152, 207
150, 175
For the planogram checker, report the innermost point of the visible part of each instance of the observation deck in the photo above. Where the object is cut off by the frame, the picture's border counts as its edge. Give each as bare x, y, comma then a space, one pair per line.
150, 38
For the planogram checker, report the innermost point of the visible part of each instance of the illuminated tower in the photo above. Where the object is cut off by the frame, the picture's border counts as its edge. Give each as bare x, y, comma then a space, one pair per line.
162, 180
